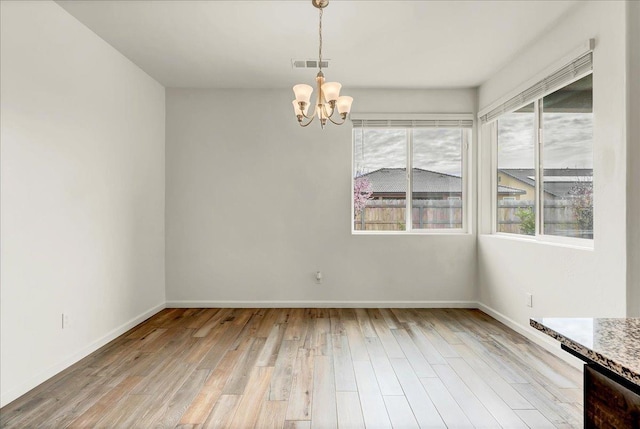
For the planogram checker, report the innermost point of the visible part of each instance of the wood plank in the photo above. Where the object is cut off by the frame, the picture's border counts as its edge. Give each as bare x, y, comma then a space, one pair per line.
425, 346
433, 318
385, 375
364, 322
246, 414
470, 404
347, 314
492, 353
250, 327
387, 339
390, 318
400, 413
356, 341
206, 398
417, 360
441, 345
269, 320
301, 395
535, 419
515, 364
343, 364
423, 408
223, 412
538, 360
271, 415
283, 371
297, 326
203, 317
74, 403
337, 327
373, 409
214, 321
547, 404
349, 410
297, 424
168, 413
318, 337
508, 394
496, 405
323, 412
91, 416
447, 407
239, 377
229, 333
126, 412
271, 347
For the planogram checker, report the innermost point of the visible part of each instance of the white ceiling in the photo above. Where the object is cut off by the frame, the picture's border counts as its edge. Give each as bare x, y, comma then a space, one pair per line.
371, 44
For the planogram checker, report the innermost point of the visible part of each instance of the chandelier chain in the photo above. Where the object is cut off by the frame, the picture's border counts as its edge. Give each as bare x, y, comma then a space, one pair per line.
320, 44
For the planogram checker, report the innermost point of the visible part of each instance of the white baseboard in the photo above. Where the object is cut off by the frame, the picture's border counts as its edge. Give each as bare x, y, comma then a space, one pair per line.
43, 376
322, 304
543, 340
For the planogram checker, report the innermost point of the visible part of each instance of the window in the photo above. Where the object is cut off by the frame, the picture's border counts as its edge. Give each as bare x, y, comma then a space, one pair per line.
515, 191
431, 196
567, 157
544, 156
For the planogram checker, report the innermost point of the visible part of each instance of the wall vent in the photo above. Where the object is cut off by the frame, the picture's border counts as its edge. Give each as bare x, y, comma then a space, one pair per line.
308, 64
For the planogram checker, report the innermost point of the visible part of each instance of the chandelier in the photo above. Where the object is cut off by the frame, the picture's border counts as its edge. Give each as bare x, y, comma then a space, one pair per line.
328, 96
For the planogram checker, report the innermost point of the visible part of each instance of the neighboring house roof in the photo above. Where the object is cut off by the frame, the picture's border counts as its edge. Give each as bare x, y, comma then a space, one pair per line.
394, 181
557, 182
510, 190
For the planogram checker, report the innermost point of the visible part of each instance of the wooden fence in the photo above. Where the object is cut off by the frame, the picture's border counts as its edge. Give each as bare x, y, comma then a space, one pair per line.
389, 215
559, 218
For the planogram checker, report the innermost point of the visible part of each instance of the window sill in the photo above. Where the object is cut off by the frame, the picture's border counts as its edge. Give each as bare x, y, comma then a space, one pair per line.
458, 232
567, 242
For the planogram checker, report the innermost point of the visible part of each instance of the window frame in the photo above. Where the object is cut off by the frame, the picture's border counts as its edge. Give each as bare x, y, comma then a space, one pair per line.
466, 170
538, 144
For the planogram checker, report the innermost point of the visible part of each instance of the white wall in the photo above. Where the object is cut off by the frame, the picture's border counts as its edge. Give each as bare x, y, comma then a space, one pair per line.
82, 190
567, 281
256, 204
633, 139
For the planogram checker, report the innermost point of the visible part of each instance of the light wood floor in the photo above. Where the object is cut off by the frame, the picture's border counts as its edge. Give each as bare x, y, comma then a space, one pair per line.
310, 368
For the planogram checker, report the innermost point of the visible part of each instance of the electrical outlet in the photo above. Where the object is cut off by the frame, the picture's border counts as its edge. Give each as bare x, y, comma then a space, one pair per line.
318, 277
66, 321
529, 300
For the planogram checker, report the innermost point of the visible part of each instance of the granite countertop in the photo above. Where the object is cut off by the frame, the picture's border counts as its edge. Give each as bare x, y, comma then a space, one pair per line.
612, 343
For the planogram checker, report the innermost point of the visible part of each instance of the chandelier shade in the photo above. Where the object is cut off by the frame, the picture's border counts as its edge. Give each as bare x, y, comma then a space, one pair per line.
303, 92
328, 98
344, 104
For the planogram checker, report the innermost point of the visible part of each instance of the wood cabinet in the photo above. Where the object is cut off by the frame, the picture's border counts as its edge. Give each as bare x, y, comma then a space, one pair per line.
609, 404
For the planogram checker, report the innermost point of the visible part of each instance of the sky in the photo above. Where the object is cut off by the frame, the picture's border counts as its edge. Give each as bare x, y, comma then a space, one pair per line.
567, 140
567, 144
436, 149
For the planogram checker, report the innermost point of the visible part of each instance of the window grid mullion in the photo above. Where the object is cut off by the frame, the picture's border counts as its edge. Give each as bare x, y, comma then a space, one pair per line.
408, 218
538, 168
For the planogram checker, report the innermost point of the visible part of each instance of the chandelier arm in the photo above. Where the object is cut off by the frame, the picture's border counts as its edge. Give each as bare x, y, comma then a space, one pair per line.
338, 123
313, 114
324, 110
307, 124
